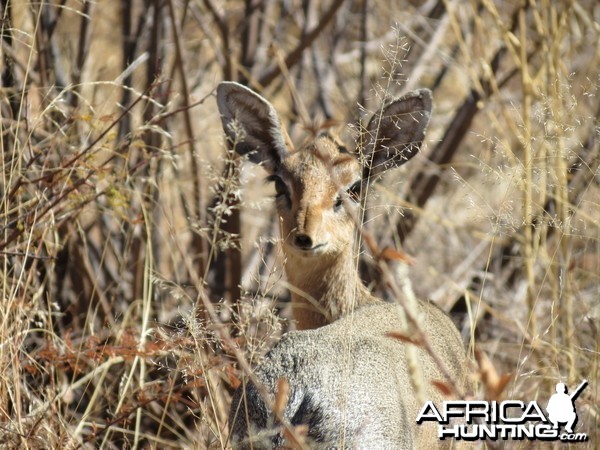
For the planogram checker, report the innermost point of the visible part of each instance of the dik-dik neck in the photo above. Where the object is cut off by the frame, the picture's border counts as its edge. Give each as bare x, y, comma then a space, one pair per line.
324, 289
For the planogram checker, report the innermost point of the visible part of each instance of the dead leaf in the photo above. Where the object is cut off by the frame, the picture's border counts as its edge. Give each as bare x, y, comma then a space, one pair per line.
494, 383
281, 397
444, 388
404, 338
391, 254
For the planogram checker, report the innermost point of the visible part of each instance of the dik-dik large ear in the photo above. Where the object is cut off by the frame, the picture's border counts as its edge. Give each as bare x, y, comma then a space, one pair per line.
395, 134
251, 124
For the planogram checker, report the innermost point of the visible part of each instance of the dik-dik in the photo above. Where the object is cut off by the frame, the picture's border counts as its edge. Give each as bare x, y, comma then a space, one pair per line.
349, 379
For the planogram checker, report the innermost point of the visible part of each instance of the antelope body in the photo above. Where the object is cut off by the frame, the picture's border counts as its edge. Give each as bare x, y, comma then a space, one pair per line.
349, 381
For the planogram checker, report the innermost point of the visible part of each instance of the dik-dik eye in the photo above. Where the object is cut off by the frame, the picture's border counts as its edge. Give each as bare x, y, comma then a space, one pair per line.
281, 189
354, 191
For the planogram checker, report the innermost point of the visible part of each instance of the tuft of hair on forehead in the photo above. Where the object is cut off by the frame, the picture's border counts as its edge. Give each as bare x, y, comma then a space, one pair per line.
324, 154
335, 139
324, 151
330, 149
322, 159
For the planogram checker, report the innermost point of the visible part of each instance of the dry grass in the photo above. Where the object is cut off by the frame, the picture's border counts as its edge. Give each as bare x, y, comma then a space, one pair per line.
122, 323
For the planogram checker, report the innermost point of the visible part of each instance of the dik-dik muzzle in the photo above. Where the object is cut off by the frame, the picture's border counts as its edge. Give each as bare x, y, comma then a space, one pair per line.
316, 190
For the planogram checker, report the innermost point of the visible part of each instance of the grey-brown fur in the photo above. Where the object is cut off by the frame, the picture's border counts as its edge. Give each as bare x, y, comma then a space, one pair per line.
350, 383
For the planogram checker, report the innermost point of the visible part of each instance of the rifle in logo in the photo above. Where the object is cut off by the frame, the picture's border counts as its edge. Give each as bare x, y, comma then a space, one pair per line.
579, 390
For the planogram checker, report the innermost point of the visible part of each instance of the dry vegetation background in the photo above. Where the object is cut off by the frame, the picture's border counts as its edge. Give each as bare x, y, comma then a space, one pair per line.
138, 259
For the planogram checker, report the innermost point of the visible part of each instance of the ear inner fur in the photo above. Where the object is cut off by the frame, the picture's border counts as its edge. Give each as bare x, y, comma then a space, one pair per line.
395, 134
244, 115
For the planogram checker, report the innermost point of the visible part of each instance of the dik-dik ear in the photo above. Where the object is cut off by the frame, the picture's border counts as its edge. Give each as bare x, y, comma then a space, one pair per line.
395, 134
251, 124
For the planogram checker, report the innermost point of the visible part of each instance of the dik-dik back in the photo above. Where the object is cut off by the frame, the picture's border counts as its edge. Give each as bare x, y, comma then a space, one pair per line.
350, 382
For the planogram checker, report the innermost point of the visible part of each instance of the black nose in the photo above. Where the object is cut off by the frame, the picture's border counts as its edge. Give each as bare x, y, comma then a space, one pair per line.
303, 241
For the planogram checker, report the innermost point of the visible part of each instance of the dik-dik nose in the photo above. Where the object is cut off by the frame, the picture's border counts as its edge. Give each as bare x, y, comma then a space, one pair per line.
303, 241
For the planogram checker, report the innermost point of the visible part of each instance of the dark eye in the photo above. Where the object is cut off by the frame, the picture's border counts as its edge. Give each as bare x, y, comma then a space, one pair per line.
354, 191
280, 187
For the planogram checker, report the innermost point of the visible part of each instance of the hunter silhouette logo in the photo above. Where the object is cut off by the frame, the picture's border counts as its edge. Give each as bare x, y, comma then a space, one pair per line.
472, 420
561, 406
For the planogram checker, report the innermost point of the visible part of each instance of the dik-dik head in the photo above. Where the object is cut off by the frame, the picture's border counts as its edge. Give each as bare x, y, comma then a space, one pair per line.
313, 182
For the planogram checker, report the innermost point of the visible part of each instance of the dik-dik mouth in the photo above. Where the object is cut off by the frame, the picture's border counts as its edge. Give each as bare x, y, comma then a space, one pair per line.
313, 251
